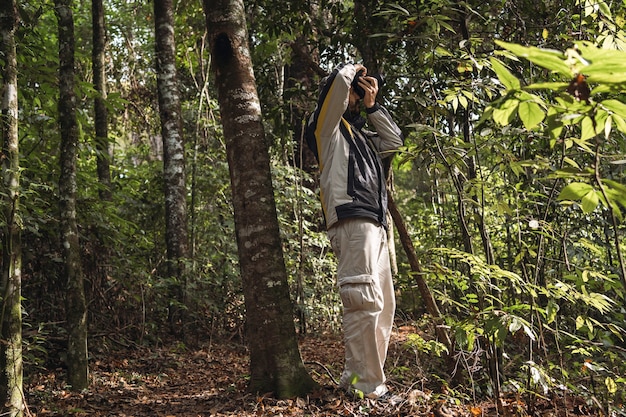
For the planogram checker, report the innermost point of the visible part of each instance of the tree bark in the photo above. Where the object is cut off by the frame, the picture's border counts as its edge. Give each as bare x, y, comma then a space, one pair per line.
366, 23
275, 362
100, 110
76, 306
11, 367
176, 234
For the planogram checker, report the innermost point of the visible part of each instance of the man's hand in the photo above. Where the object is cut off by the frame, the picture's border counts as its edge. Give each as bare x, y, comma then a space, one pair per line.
370, 86
359, 67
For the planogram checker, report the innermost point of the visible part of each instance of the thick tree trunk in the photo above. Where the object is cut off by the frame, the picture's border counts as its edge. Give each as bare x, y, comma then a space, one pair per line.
11, 368
275, 362
176, 234
77, 366
100, 110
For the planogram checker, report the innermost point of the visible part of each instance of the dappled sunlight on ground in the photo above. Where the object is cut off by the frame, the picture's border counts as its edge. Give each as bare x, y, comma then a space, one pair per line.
211, 381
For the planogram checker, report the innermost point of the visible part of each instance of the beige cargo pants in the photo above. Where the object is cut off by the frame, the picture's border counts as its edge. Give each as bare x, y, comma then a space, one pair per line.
367, 293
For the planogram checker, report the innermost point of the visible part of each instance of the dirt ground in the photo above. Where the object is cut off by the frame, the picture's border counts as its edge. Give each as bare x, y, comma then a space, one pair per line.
174, 381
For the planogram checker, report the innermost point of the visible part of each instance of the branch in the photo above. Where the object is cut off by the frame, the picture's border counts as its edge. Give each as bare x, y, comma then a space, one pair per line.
427, 296
306, 57
598, 179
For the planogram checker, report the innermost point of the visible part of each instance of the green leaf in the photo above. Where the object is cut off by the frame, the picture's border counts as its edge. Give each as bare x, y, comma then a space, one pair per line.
471, 95
580, 322
590, 201
587, 129
606, 66
400, 8
615, 191
620, 123
504, 75
604, 9
608, 124
529, 332
551, 311
582, 143
441, 51
600, 302
555, 125
546, 58
514, 325
610, 384
504, 114
569, 161
554, 86
617, 213
503, 208
616, 106
463, 101
619, 187
516, 168
530, 113
574, 191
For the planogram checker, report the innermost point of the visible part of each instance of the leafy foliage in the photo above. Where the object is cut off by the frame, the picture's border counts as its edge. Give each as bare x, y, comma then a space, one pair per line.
511, 182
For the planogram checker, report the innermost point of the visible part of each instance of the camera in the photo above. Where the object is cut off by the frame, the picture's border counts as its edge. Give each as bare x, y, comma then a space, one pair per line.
357, 88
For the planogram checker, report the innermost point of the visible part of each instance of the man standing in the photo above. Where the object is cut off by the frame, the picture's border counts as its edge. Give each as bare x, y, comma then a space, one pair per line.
354, 201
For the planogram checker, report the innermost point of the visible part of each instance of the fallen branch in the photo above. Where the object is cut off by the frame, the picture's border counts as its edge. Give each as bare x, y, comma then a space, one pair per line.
321, 365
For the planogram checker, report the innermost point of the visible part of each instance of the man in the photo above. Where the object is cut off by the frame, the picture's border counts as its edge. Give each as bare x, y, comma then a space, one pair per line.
354, 201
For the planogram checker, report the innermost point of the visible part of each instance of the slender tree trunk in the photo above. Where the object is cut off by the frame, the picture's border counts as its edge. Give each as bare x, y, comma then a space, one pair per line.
100, 110
611, 208
275, 362
370, 47
366, 24
176, 234
458, 181
11, 369
422, 285
300, 74
494, 353
76, 306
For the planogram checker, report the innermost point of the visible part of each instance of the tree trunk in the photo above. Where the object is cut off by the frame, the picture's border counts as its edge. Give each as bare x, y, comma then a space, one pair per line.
275, 362
176, 234
11, 368
299, 74
371, 48
494, 352
422, 285
366, 24
100, 110
77, 366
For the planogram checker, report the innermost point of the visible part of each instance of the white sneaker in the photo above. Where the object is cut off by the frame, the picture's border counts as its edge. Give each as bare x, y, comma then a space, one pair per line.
380, 391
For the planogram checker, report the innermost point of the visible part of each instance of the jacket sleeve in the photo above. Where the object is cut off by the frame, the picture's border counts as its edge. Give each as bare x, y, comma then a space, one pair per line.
388, 136
332, 104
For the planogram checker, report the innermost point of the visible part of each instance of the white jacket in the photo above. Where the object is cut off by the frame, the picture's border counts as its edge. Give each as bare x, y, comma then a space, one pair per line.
352, 181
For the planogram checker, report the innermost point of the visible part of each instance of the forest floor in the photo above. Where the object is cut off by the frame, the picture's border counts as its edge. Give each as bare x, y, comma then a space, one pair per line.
175, 381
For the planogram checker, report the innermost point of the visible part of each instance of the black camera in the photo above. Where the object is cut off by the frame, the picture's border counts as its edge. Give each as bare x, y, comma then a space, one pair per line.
357, 88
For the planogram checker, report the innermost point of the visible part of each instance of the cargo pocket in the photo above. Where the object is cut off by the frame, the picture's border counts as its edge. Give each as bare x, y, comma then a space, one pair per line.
358, 296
